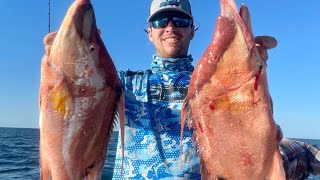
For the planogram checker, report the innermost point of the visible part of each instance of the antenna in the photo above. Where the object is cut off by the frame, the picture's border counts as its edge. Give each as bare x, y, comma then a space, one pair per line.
49, 15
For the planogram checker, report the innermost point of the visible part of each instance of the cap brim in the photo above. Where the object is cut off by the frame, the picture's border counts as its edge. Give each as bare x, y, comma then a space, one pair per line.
169, 9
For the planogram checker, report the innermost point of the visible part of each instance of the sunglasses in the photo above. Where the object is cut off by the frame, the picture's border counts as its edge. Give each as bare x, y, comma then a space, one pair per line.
177, 21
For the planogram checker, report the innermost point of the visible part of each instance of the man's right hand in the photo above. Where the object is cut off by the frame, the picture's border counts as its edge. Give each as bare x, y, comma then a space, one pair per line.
48, 40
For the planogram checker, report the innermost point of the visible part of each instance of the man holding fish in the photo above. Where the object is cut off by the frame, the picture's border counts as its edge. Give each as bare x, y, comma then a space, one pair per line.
156, 146
152, 128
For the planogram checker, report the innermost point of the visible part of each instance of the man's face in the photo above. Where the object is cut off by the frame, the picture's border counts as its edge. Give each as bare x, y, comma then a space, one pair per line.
171, 41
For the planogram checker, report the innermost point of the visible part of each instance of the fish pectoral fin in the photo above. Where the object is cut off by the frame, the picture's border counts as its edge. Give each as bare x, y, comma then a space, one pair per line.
277, 171
242, 99
61, 99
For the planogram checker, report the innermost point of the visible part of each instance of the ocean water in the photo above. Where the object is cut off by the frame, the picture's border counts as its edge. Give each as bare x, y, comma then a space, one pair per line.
19, 154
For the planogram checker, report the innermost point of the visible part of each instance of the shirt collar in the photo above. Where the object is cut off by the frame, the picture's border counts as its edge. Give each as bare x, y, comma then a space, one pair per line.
160, 64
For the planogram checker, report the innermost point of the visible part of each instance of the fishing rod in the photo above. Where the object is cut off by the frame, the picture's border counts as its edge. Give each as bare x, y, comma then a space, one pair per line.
49, 15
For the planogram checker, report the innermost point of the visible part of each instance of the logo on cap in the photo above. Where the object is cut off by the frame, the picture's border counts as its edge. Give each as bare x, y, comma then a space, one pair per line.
172, 3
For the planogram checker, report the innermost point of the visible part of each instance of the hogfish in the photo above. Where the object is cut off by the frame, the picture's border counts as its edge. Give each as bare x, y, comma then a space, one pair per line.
229, 106
80, 95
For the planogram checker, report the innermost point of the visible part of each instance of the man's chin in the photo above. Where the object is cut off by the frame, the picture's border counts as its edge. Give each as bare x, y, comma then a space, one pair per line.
173, 53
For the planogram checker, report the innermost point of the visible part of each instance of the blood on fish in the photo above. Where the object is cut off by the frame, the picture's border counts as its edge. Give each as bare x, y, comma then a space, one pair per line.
257, 77
212, 105
247, 159
200, 126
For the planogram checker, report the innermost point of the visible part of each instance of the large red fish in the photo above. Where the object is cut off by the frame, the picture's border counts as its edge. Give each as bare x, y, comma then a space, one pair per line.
80, 95
229, 105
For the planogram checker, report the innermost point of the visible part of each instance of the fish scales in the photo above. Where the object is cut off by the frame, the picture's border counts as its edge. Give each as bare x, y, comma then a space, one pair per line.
80, 95
229, 106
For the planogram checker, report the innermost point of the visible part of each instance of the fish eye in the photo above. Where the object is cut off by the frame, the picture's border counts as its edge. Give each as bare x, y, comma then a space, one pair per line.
92, 48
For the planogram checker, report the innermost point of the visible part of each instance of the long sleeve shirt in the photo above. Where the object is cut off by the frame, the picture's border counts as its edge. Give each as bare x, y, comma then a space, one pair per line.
152, 129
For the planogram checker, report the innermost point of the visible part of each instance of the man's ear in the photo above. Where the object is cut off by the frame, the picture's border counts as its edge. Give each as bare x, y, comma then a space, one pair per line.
150, 34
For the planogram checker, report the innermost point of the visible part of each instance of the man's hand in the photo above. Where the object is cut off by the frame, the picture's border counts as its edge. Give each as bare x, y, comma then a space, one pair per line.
263, 43
48, 40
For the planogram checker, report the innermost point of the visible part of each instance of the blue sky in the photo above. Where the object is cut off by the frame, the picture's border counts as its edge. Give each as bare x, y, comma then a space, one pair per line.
293, 66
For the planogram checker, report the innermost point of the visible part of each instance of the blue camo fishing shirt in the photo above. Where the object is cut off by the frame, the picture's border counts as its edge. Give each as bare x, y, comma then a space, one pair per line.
152, 128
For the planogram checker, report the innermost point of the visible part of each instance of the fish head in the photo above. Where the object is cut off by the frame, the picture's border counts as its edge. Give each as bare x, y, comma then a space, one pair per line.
78, 51
77, 33
232, 53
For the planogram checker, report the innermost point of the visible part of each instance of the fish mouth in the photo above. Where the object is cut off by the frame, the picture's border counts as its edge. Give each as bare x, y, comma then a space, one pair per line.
84, 20
228, 8
83, 2
80, 21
